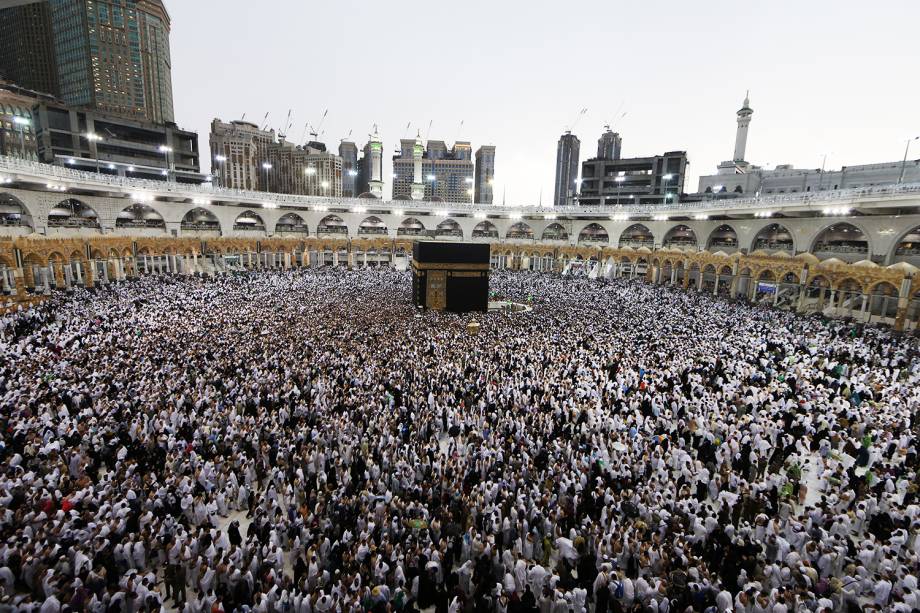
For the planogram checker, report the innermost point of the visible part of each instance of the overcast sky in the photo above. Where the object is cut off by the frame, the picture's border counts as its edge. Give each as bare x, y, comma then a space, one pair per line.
838, 77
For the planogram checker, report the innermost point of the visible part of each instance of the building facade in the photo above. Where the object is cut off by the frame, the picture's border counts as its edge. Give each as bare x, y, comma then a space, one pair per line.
245, 157
26, 49
434, 173
485, 174
88, 140
567, 157
17, 123
655, 180
239, 149
111, 56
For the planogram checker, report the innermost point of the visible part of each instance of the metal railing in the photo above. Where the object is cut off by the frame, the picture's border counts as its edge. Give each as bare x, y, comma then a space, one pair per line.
61, 174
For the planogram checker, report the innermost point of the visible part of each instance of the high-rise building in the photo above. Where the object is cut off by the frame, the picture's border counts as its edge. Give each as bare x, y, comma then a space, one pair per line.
609, 145
370, 168
348, 151
567, 155
485, 173
245, 157
110, 56
26, 49
435, 173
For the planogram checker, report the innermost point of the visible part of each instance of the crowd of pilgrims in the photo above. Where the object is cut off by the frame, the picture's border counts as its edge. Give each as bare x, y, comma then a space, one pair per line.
308, 440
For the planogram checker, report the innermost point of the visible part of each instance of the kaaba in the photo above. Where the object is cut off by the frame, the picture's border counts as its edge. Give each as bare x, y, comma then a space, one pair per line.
451, 276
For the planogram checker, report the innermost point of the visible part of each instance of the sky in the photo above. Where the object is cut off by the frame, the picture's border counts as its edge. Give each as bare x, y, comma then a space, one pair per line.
836, 78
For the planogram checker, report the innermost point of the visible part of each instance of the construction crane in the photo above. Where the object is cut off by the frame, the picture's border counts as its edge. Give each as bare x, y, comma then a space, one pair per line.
398, 149
316, 132
460, 131
428, 135
347, 136
287, 125
578, 118
264, 122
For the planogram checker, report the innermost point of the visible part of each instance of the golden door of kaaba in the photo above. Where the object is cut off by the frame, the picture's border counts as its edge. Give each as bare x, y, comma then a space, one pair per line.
437, 290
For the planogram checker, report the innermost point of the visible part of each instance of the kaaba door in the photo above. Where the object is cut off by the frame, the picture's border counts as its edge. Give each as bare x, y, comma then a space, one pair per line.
437, 290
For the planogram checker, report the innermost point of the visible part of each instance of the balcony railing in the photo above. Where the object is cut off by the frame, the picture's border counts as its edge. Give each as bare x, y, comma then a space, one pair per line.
57, 174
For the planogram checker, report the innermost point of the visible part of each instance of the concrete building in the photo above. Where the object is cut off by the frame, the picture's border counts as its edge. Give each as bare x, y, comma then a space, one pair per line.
655, 180
17, 125
111, 57
433, 173
485, 174
89, 140
567, 156
348, 151
738, 177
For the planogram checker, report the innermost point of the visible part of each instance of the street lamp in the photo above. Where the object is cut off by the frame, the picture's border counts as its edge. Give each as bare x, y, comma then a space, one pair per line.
619, 180
904, 163
664, 188
94, 138
22, 122
166, 150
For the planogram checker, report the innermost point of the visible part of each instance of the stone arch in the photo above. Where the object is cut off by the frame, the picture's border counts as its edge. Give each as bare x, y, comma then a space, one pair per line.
485, 229
681, 236
73, 213
291, 223
139, 216
199, 219
907, 246
520, 231
449, 227
637, 235
844, 240
774, 237
410, 226
13, 212
249, 221
555, 232
332, 224
883, 300
594, 233
372, 226
722, 238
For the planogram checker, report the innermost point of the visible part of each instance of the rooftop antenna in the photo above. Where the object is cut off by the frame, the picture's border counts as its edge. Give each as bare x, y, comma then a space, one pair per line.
578, 118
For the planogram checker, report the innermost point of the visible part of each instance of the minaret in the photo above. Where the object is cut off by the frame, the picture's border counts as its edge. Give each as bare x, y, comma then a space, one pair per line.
418, 187
744, 120
375, 180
